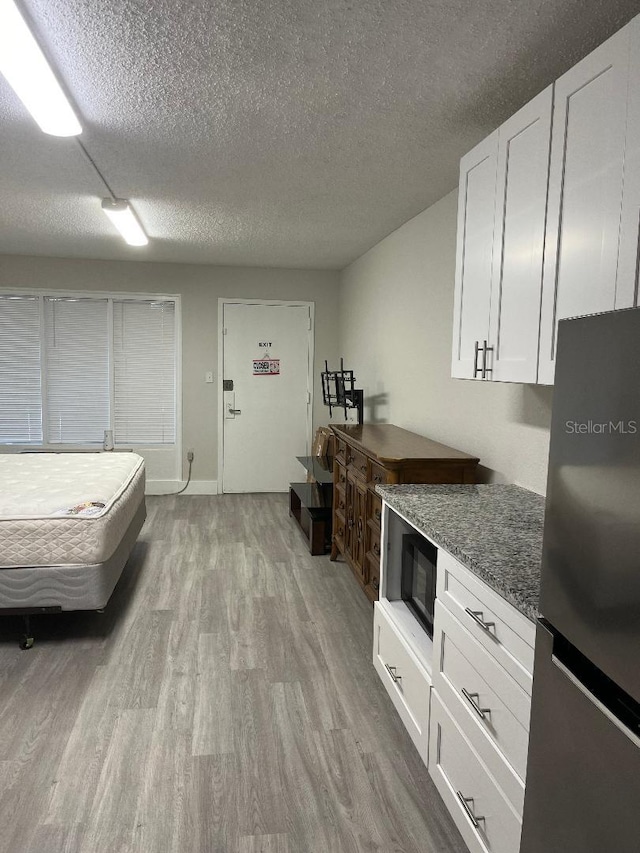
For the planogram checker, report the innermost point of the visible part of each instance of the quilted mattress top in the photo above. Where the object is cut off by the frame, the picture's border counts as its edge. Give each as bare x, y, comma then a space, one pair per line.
67, 485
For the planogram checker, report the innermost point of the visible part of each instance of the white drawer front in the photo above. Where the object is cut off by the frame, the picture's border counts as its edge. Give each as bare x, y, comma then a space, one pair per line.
485, 701
407, 683
501, 629
488, 823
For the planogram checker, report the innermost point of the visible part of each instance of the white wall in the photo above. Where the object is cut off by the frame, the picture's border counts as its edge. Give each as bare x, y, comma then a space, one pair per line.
396, 316
199, 286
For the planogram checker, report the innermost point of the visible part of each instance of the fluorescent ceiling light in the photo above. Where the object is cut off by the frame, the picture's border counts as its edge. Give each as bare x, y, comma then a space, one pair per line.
30, 76
120, 213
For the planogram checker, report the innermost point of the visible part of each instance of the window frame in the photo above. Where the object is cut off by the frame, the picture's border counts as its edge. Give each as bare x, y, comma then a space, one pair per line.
111, 296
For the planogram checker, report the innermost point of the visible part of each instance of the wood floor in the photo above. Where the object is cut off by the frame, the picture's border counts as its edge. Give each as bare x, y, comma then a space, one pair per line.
225, 703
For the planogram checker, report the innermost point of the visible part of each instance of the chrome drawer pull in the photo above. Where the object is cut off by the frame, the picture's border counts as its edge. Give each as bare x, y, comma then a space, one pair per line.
472, 699
478, 616
475, 819
392, 672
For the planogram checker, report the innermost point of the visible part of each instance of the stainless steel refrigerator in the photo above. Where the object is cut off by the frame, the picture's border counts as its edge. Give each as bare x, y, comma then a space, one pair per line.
583, 779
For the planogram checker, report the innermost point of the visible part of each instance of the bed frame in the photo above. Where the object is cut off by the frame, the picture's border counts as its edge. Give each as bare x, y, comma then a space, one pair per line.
55, 589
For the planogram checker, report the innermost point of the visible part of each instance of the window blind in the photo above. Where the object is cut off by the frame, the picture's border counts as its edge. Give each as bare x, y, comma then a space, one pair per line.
20, 390
144, 335
77, 369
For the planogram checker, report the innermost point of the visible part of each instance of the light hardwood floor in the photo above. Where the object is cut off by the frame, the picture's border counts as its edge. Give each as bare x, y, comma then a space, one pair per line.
224, 703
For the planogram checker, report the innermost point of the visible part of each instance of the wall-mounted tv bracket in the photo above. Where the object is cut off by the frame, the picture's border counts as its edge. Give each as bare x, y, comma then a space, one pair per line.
338, 391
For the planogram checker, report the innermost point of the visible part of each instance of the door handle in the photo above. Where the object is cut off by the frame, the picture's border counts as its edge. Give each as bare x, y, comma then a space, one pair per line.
486, 348
476, 351
234, 411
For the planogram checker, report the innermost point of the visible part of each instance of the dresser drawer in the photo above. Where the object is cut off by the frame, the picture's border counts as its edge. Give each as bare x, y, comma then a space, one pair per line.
374, 508
488, 705
340, 475
483, 815
341, 451
373, 573
503, 631
373, 539
358, 463
377, 474
340, 500
405, 680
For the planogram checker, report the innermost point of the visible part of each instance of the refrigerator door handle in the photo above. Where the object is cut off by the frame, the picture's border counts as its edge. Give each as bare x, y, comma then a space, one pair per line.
566, 672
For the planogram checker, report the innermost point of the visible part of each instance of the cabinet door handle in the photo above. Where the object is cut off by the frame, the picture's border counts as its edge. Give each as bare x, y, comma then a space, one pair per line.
485, 349
377, 514
478, 617
393, 673
474, 818
476, 352
376, 549
473, 700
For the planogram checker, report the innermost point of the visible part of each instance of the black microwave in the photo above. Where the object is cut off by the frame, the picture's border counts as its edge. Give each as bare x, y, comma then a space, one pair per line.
418, 578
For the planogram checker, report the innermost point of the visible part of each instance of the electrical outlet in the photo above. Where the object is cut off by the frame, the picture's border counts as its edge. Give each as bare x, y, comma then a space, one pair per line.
190, 455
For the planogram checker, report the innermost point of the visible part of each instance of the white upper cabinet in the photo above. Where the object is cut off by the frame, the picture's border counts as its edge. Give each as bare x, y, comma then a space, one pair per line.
501, 224
591, 246
474, 252
518, 248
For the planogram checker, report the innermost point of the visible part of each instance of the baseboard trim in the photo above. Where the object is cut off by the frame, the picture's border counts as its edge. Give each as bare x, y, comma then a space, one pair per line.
170, 487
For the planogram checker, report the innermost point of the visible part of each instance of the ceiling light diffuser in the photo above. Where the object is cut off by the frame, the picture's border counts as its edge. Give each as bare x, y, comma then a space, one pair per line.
30, 76
123, 217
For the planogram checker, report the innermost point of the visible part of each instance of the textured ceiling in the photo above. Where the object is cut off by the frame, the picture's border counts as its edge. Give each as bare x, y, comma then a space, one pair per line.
293, 133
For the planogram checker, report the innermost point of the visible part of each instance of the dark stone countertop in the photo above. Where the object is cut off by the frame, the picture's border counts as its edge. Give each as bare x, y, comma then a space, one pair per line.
493, 530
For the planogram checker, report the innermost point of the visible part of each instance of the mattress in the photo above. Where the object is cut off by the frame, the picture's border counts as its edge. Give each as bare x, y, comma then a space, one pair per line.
66, 509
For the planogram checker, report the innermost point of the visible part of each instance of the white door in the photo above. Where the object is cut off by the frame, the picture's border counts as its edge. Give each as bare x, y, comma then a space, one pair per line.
586, 184
476, 202
267, 355
521, 205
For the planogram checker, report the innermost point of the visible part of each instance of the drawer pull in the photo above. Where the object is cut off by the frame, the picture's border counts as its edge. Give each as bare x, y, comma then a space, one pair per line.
472, 699
377, 514
464, 801
478, 616
392, 672
376, 549
363, 468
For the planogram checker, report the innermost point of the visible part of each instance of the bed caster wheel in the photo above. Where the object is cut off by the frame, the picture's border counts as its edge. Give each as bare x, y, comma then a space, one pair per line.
26, 643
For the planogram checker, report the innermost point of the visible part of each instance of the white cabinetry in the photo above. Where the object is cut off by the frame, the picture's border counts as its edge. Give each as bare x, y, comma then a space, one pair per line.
561, 236
465, 699
406, 679
480, 708
592, 224
501, 224
476, 200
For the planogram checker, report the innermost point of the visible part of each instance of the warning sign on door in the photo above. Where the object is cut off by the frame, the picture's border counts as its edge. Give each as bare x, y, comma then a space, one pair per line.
266, 366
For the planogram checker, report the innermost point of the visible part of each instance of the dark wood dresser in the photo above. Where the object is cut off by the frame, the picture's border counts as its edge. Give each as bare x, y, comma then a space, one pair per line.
369, 454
